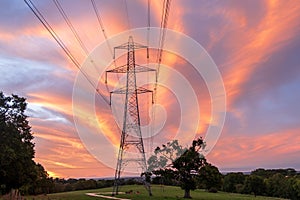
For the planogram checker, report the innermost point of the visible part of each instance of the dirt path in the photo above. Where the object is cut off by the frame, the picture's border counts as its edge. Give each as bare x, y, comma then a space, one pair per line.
104, 196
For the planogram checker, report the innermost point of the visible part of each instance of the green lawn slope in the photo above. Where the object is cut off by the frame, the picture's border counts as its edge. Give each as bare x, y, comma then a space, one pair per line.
139, 193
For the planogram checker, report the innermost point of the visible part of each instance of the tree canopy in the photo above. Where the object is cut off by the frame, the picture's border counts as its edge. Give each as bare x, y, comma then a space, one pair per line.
210, 177
254, 184
233, 182
17, 167
174, 164
188, 166
165, 155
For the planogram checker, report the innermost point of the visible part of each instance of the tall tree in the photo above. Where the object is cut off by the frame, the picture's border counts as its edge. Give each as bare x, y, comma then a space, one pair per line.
210, 177
17, 167
160, 163
188, 166
254, 184
277, 186
165, 155
232, 181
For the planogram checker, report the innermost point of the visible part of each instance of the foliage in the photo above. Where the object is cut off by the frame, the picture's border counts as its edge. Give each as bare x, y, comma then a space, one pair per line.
164, 176
254, 184
63, 185
17, 168
42, 184
294, 192
209, 177
267, 173
160, 164
188, 165
277, 185
165, 155
233, 182
283, 183
174, 165
213, 190
283, 186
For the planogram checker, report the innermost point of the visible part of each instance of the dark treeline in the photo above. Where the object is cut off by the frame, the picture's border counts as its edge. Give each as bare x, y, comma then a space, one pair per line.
55, 185
64, 185
283, 183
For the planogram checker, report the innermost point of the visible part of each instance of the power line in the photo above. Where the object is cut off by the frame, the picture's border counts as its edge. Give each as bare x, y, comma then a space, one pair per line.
148, 13
150, 128
127, 14
41, 18
49, 28
75, 33
100, 22
63, 14
148, 22
162, 35
102, 26
163, 26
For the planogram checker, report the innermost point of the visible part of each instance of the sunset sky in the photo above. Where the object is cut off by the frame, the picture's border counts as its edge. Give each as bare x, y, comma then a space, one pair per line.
254, 43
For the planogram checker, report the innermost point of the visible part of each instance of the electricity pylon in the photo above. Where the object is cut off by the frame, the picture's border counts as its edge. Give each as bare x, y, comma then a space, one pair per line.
131, 137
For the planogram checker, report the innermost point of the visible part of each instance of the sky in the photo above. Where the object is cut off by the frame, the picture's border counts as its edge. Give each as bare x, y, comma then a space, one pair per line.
254, 43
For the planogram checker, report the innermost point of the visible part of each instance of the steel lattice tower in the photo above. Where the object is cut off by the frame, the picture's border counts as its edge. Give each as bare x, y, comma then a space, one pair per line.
131, 136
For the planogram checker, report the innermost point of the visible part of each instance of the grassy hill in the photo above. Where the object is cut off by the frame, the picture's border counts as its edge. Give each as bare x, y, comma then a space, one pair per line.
159, 193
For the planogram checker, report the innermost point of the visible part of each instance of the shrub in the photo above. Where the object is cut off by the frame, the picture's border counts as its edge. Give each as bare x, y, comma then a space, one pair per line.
213, 190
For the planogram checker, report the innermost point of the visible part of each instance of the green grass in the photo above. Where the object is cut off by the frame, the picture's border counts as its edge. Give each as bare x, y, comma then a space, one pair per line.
159, 193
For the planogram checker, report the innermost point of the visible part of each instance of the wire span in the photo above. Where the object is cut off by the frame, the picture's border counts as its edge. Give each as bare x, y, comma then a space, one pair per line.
58, 40
64, 15
102, 26
162, 35
127, 14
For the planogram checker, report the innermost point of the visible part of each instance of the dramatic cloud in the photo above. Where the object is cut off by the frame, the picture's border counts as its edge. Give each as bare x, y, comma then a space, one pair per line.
254, 43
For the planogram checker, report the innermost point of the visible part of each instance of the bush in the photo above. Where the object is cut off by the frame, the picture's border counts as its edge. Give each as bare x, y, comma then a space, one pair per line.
213, 190
239, 188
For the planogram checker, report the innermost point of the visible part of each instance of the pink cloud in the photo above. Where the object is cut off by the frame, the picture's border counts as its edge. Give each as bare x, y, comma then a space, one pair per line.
248, 151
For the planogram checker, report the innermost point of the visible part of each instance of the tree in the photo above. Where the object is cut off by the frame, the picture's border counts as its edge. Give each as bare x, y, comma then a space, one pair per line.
254, 184
295, 188
210, 177
176, 165
160, 164
165, 155
188, 165
17, 167
267, 173
165, 176
42, 184
278, 186
233, 181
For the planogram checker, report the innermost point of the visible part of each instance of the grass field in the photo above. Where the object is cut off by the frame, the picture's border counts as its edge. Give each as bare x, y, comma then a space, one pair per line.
159, 193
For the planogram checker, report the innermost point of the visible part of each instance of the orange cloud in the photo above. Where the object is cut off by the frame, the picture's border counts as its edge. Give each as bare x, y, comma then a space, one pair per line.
74, 143
109, 127
62, 152
51, 101
274, 31
244, 150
